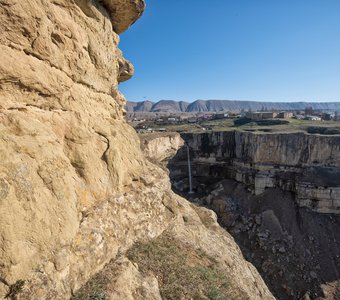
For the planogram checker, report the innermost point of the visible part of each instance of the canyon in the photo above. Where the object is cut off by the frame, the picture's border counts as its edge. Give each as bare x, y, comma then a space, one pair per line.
90, 210
278, 195
79, 200
308, 165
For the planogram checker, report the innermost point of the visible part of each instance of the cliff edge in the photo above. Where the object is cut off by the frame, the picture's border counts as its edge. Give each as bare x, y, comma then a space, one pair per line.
76, 191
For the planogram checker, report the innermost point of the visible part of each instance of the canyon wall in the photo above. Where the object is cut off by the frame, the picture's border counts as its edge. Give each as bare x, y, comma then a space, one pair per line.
278, 195
160, 147
308, 165
75, 188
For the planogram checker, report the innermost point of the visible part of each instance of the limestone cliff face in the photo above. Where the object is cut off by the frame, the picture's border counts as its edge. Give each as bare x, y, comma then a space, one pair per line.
308, 165
66, 153
75, 188
161, 147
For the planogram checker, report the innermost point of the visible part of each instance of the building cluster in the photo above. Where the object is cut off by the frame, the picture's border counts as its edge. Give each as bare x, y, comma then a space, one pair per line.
306, 115
197, 118
262, 115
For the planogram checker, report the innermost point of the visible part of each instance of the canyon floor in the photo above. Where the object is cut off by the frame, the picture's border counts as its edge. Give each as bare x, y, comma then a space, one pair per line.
295, 250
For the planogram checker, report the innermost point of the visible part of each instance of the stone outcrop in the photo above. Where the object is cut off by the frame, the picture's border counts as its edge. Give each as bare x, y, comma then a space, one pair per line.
123, 13
160, 147
308, 165
75, 188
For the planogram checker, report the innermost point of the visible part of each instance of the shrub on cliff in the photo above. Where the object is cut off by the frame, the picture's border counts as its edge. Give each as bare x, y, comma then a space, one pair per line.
183, 272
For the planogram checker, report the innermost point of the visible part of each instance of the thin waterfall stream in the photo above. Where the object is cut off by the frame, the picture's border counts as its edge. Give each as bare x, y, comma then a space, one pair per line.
189, 171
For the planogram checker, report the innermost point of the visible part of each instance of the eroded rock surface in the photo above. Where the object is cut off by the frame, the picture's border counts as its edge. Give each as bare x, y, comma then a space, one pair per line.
75, 189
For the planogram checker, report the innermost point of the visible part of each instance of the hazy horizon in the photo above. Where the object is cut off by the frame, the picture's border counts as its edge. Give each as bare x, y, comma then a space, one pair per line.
286, 51
231, 100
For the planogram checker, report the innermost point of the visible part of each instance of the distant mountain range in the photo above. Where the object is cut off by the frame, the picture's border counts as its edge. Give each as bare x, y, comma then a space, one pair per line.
172, 106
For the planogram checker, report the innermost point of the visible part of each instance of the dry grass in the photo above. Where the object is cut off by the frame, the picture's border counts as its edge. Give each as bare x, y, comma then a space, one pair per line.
93, 289
183, 272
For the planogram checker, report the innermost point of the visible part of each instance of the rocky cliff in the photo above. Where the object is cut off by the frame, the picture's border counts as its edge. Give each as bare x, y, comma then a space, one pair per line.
307, 165
278, 195
76, 191
160, 147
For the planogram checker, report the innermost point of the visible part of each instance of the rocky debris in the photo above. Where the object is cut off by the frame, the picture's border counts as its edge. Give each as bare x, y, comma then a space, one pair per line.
291, 257
270, 220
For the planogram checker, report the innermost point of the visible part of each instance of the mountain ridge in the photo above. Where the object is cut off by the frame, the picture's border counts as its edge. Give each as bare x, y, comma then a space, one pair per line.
224, 105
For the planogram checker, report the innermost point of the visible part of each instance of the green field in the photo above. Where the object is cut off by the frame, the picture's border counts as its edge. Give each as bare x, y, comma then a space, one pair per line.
294, 125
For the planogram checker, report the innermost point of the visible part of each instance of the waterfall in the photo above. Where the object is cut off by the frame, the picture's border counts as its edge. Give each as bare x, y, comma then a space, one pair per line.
189, 171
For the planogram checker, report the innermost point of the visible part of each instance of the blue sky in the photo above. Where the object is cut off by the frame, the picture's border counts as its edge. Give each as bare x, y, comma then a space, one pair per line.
266, 50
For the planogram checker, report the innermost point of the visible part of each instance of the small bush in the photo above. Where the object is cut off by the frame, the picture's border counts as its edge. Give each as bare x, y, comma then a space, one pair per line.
270, 122
93, 289
322, 130
15, 289
241, 121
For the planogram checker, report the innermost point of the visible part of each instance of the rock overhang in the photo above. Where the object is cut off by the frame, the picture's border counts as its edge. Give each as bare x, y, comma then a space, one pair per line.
123, 13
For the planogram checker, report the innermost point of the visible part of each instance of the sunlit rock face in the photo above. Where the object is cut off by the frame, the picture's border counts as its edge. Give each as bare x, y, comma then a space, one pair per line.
65, 147
123, 13
75, 188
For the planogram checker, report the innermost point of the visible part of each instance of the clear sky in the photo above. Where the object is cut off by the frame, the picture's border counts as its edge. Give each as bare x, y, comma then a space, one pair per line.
268, 50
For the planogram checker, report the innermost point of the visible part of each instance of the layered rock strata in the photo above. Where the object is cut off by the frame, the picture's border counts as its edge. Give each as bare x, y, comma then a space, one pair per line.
75, 188
307, 165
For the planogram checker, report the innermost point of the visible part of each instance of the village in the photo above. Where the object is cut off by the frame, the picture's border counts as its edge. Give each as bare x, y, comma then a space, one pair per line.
161, 122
